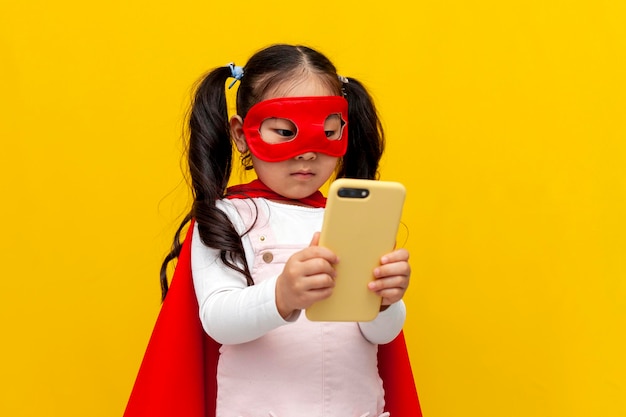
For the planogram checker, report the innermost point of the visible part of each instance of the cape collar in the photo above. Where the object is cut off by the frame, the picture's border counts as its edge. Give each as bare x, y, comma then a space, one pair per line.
258, 189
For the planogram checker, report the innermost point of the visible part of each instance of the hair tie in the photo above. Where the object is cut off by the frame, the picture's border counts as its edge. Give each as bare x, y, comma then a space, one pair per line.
344, 81
236, 72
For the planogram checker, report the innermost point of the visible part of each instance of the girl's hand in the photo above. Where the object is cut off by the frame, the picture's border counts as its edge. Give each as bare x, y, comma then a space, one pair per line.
308, 277
392, 277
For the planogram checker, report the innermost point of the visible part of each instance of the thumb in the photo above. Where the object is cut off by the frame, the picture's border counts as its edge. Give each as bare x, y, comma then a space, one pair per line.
316, 239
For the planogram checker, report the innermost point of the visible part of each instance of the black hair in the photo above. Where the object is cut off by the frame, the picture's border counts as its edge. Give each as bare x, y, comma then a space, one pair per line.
209, 148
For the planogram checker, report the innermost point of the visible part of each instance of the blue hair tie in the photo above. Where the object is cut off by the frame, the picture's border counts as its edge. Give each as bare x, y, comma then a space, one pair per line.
236, 72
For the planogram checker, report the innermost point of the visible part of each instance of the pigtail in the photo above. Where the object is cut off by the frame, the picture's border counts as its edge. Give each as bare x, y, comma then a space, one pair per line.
209, 155
173, 254
209, 150
366, 139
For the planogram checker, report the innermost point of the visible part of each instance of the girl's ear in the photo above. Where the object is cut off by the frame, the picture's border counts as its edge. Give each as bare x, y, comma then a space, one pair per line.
236, 132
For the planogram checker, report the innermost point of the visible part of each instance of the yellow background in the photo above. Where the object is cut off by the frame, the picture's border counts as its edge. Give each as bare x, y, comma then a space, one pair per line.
505, 119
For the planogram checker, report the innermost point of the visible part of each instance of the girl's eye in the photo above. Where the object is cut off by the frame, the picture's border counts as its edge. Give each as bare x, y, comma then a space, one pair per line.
333, 126
277, 130
284, 132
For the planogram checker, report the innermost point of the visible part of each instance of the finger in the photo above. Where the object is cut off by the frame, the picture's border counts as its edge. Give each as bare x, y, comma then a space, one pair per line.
315, 295
391, 269
315, 240
391, 295
399, 255
395, 282
325, 253
319, 282
317, 266
313, 252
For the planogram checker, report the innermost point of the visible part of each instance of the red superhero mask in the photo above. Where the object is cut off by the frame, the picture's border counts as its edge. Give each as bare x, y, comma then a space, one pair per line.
282, 128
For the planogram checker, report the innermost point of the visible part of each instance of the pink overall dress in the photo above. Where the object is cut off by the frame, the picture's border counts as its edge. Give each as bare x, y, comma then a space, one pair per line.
302, 369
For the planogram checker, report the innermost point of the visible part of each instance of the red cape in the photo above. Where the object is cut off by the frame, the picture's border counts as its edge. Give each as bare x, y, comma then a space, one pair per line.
177, 374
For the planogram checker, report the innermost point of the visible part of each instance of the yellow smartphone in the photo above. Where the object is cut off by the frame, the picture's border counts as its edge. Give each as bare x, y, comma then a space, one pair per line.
360, 225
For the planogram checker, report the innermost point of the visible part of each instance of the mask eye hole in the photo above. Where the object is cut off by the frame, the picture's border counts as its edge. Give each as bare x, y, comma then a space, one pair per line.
333, 126
277, 130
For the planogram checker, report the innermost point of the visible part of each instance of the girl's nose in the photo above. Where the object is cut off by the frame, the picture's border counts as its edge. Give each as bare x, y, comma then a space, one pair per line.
307, 156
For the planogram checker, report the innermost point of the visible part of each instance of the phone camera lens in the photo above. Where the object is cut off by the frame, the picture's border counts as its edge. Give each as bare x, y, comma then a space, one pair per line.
353, 192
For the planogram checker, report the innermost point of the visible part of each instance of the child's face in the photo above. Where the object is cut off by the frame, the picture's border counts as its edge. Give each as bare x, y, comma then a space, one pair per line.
303, 174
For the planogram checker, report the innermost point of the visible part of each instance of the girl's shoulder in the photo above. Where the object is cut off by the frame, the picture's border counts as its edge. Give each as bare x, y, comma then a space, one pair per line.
240, 211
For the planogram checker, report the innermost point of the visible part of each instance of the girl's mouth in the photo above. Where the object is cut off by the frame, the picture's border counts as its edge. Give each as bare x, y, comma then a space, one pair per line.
302, 174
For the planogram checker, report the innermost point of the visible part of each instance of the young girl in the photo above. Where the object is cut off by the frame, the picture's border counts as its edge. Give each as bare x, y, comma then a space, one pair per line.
253, 248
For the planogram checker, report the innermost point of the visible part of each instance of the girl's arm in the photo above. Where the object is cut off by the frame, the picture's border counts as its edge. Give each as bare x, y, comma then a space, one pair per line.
230, 311
386, 326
